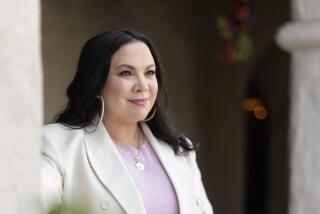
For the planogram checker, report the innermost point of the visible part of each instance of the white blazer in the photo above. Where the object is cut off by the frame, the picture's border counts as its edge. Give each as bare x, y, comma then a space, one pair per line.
83, 168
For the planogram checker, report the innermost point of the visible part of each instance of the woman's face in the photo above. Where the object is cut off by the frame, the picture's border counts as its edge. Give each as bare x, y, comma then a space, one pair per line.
131, 87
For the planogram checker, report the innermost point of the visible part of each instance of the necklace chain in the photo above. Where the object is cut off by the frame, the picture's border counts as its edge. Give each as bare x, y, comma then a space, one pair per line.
136, 157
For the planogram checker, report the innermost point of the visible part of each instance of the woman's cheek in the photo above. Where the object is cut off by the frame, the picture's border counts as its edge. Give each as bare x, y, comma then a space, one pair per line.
121, 87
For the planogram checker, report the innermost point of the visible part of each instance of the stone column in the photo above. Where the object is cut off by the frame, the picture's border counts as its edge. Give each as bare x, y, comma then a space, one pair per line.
20, 105
301, 38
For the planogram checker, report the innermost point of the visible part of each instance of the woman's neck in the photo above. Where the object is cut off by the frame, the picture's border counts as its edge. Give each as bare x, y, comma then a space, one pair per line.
124, 134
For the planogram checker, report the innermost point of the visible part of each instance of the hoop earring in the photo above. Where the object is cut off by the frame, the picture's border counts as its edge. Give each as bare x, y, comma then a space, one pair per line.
102, 108
152, 115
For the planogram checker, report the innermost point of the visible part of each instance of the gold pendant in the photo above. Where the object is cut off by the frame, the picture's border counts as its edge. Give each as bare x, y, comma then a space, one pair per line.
140, 166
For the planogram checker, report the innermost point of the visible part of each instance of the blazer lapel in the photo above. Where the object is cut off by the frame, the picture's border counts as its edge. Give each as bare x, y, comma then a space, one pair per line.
111, 170
176, 168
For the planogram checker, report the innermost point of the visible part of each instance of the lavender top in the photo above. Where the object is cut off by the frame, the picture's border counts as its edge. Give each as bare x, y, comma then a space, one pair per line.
154, 185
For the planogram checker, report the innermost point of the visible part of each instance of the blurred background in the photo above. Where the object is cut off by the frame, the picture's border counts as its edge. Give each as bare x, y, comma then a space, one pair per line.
227, 83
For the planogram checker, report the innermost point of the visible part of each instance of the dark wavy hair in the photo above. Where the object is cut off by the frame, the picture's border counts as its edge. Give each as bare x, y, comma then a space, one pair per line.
92, 72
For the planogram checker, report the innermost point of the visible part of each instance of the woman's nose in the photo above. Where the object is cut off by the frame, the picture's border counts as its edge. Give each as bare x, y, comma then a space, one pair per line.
141, 84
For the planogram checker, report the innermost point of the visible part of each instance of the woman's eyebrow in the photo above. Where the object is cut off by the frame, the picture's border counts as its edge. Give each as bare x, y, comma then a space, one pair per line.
126, 65
132, 67
150, 66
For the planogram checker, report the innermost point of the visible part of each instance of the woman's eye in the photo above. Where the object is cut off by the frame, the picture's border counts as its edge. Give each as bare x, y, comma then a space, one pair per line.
125, 73
151, 72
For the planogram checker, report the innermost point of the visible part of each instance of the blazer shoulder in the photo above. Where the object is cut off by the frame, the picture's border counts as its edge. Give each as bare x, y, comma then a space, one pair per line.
192, 154
60, 136
191, 157
58, 128
60, 131
59, 143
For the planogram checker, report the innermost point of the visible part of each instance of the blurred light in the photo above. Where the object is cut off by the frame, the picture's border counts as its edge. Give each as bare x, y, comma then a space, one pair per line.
256, 106
260, 112
249, 104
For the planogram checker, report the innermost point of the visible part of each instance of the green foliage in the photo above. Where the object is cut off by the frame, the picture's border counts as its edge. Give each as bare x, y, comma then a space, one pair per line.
70, 209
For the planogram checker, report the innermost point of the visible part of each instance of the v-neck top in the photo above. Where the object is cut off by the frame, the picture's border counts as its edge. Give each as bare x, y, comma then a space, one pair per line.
153, 184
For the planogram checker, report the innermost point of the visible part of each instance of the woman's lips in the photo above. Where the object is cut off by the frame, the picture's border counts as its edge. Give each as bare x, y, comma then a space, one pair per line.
139, 102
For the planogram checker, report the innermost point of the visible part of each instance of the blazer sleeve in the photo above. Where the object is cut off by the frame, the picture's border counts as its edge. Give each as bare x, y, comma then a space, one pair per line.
51, 176
202, 196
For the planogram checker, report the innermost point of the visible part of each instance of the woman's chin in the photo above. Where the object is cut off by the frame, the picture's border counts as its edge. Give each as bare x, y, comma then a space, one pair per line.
138, 115
138, 118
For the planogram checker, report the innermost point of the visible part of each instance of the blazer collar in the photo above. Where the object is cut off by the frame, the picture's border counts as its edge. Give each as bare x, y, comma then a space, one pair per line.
113, 174
111, 170
175, 167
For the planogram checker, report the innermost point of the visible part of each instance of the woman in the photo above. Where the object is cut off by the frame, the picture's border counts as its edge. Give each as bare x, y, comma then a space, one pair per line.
112, 149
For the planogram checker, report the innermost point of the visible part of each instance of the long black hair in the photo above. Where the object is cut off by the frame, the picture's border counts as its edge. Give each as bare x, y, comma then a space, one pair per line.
92, 72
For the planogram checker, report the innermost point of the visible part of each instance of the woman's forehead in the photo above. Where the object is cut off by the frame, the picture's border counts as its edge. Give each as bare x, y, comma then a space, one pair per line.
136, 53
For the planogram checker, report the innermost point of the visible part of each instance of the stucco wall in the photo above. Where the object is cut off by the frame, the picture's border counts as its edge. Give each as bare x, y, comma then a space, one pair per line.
20, 105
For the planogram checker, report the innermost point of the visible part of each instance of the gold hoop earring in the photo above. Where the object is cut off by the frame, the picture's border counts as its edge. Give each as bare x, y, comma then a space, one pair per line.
102, 108
152, 115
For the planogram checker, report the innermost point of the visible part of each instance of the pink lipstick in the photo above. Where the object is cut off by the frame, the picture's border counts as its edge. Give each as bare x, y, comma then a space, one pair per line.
139, 102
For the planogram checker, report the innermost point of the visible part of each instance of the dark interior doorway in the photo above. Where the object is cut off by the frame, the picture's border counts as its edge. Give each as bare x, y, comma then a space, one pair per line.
257, 152
266, 117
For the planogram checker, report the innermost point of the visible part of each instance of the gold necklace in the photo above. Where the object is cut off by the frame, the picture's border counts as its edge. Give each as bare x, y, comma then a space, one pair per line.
136, 157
